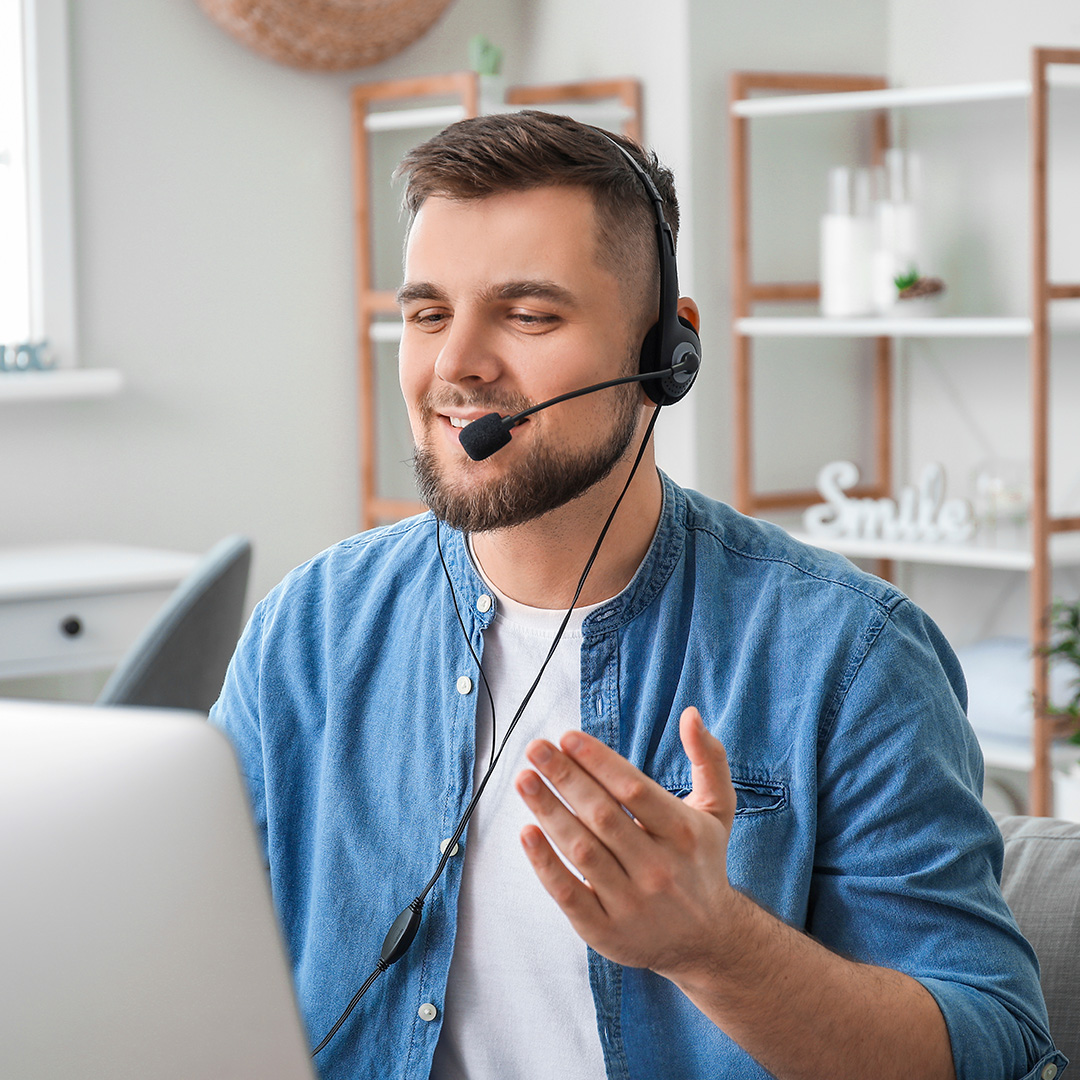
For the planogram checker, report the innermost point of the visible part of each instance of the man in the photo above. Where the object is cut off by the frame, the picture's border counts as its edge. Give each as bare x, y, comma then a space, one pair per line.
759, 848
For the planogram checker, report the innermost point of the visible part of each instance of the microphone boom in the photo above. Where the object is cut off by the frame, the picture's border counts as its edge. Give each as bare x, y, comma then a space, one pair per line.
489, 433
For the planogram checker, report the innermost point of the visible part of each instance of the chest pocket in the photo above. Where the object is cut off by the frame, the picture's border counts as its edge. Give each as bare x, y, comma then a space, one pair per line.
752, 797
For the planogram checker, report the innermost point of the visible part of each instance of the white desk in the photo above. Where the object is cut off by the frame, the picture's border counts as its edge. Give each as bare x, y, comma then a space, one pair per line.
78, 607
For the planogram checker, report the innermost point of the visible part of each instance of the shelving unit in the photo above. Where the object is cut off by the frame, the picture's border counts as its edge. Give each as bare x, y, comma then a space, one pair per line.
409, 104
1047, 543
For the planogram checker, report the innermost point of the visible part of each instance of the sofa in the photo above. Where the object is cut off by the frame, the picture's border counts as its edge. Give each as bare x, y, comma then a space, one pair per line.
1041, 883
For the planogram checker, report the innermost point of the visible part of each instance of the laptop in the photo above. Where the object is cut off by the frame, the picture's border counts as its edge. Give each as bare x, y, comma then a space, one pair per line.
137, 935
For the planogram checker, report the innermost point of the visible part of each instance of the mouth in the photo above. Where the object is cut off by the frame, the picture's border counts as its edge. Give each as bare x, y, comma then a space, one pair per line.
457, 424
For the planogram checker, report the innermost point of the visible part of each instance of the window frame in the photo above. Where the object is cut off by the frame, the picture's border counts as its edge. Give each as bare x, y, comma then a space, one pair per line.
53, 315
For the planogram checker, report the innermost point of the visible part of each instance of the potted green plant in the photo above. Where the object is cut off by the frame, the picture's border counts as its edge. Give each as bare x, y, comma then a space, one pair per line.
1064, 648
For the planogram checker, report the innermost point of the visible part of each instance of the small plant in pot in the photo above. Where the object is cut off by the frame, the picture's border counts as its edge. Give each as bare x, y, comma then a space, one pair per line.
1064, 648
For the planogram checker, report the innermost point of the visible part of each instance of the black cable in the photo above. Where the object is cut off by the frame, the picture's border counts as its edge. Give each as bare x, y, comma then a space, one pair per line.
380, 967
401, 934
468, 640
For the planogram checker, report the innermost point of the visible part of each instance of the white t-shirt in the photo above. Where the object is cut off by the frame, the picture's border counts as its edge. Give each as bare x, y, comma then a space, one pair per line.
501, 1021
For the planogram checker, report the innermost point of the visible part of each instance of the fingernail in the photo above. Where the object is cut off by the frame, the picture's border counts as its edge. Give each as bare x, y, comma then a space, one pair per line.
529, 783
530, 838
571, 741
540, 754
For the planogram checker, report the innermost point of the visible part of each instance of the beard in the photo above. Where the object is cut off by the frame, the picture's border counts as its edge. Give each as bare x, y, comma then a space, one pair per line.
547, 478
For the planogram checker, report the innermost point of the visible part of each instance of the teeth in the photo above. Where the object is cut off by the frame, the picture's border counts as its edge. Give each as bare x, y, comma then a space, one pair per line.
456, 421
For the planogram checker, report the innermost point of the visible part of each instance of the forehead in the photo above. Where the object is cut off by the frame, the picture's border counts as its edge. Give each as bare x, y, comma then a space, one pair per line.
548, 232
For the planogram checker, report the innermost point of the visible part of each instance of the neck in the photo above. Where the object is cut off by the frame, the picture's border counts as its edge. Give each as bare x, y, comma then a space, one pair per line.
540, 563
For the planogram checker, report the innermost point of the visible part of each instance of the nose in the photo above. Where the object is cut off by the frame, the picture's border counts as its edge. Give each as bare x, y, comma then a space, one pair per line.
468, 356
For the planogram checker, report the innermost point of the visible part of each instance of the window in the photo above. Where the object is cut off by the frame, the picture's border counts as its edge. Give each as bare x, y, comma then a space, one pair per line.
37, 298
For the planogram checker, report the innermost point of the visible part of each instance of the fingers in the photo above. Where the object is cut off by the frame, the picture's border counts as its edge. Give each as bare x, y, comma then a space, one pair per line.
577, 900
590, 834
710, 776
597, 782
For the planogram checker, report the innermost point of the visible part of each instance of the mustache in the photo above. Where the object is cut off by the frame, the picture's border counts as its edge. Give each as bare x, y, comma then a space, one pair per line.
437, 400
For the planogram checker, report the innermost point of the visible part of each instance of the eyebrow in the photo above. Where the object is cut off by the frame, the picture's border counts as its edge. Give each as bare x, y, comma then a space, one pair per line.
418, 290
414, 291
532, 290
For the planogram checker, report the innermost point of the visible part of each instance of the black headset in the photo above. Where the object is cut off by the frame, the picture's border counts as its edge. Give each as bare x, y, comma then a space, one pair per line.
672, 342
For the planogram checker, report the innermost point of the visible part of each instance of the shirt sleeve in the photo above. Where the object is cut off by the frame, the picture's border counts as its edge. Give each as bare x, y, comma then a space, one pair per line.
908, 861
237, 712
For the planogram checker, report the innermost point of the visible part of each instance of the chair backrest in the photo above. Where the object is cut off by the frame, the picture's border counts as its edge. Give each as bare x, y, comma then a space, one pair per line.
1041, 883
179, 660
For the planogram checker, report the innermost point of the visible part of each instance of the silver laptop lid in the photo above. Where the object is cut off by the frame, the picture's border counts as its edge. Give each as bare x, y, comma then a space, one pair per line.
137, 936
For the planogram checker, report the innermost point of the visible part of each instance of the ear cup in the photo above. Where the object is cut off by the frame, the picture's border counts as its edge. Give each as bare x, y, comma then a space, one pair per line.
665, 345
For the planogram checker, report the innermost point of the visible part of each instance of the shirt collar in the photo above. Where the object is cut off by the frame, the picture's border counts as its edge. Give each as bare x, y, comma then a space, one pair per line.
476, 597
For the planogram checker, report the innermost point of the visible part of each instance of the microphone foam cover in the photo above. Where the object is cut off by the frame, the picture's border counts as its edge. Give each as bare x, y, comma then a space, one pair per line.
483, 437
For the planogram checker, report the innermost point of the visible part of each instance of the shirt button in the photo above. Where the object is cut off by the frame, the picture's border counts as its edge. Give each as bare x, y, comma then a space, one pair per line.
483, 603
445, 844
464, 684
427, 1011
1050, 1070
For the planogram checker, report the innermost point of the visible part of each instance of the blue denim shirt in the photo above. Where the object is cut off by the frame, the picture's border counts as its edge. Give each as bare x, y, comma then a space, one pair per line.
840, 705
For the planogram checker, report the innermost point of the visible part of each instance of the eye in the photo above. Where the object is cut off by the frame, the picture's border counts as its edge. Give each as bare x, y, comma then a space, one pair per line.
534, 320
427, 319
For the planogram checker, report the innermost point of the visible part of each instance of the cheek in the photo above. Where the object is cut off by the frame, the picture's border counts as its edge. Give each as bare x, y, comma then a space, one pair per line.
413, 387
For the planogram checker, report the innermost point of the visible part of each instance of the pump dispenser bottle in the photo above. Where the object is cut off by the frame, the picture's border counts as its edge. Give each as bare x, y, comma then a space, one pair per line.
846, 245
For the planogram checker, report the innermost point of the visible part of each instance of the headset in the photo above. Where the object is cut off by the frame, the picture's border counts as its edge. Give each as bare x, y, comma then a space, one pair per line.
671, 351
669, 362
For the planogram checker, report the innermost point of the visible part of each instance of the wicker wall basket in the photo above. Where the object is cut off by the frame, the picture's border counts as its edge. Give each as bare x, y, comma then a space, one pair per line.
325, 35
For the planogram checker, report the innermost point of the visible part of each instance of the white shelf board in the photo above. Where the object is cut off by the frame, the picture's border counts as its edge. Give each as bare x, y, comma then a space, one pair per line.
893, 98
60, 384
982, 552
1059, 76
439, 116
435, 116
386, 331
907, 326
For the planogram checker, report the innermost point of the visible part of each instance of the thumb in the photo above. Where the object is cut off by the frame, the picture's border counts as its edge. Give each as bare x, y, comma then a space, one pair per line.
710, 776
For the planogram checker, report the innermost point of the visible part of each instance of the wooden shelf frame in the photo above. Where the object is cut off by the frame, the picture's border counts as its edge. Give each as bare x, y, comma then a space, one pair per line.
1047, 727
859, 94
403, 104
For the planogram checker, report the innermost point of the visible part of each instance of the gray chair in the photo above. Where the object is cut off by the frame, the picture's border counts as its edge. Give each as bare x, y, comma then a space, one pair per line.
1041, 883
179, 660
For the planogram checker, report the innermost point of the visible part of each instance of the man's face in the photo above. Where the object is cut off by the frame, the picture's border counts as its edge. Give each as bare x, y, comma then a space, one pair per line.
505, 305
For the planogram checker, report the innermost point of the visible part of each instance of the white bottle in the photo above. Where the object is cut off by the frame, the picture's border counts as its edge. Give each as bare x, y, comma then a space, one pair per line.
896, 240
846, 245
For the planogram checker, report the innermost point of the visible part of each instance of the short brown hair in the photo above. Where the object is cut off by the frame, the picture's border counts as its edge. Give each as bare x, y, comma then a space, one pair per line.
519, 151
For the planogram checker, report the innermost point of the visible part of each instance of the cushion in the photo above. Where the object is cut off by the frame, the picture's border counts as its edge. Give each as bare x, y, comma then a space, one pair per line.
1041, 883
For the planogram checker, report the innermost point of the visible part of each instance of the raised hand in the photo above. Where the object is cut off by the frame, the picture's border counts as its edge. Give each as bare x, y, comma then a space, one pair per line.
655, 892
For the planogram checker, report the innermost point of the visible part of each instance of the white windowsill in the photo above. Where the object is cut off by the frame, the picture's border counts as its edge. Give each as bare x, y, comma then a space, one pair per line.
60, 384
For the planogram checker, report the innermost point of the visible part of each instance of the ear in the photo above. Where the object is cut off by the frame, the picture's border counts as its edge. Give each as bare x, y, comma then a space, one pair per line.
688, 310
